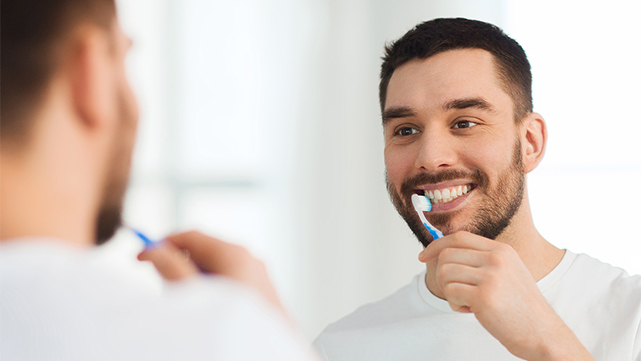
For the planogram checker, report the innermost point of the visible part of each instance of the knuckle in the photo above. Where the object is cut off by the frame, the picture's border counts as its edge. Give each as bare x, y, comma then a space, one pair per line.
505, 249
183, 236
496, 258
242, 251
260, 264
195, 233
251, 266
244, 255
190, 233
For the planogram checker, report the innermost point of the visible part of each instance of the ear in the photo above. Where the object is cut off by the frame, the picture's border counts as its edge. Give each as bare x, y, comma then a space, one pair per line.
534, 136
90, 70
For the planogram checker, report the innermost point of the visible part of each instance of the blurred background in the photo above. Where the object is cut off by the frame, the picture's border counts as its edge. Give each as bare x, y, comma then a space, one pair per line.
260, 125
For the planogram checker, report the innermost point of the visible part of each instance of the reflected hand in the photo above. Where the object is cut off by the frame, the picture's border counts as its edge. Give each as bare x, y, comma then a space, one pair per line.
187, 254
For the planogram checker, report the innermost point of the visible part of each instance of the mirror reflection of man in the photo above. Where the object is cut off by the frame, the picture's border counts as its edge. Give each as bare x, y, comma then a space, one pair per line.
67, 133
458, 124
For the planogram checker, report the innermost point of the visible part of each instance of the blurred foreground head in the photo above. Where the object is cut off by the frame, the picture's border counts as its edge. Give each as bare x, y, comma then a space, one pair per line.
68, 119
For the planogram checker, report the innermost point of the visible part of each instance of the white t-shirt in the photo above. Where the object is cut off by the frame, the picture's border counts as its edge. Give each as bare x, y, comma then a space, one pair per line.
600, 303
59, 302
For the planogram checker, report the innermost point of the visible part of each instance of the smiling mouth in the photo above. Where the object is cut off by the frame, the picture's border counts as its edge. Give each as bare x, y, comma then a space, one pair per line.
445, 195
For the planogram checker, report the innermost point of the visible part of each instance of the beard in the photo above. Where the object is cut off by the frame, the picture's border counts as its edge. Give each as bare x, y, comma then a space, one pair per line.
109, 220
109, 217
503, 200
110, 211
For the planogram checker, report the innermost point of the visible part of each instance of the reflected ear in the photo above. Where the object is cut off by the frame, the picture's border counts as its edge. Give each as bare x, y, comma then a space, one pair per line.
89, 70
534, 138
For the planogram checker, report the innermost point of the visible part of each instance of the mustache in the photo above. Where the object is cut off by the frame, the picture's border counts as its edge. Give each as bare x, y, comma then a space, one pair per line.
409, 185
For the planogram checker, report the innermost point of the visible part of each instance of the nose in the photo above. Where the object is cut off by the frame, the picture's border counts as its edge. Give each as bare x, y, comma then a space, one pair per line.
436, 152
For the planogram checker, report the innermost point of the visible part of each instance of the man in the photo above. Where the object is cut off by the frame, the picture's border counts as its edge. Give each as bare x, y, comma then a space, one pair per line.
459, 128
67, 132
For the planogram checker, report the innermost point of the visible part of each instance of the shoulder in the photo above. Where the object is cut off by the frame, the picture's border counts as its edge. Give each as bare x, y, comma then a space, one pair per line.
62, 299
599, 275
602, 305
602, 285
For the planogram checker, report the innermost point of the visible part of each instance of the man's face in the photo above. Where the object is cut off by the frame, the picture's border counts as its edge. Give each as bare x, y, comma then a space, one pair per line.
450, 134
110, 212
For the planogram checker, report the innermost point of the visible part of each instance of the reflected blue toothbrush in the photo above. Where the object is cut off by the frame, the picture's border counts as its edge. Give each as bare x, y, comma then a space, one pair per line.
148, 241
422, 204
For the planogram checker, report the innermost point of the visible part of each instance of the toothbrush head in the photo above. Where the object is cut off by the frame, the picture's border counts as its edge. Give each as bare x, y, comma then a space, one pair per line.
421, 203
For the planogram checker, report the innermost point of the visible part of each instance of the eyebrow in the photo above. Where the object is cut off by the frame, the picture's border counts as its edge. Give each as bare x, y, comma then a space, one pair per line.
465, 103
397, 112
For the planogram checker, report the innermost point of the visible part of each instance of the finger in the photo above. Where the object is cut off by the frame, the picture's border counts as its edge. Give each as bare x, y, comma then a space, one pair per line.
228, 260
463, 256
456, 273
459, 239
170, 262
211, 254
459, 295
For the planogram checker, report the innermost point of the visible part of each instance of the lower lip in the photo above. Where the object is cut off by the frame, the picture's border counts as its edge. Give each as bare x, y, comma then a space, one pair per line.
442, 207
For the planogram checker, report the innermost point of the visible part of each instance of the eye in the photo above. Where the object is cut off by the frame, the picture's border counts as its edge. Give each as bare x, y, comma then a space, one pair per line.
464, 124
406, 131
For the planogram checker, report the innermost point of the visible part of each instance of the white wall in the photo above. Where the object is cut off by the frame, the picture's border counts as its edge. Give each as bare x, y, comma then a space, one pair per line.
260, 124
586, 72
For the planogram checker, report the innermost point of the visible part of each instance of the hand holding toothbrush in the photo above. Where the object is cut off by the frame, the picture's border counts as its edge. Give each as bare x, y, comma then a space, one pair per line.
488, 278
190, 254
478, 275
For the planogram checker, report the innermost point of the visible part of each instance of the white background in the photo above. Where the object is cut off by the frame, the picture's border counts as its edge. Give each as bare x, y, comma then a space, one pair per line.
260, 124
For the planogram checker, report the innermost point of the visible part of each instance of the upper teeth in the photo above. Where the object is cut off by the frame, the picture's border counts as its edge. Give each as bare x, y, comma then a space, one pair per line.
446, 194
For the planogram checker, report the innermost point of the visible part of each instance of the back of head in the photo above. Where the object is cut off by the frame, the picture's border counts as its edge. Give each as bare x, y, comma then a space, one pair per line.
33, 34
439, 35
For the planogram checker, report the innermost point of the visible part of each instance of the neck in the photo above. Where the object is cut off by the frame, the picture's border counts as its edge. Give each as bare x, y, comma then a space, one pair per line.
539, 256
46, 187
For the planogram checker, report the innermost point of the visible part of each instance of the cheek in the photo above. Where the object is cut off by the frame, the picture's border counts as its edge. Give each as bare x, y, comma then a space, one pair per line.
491, 158
398, 164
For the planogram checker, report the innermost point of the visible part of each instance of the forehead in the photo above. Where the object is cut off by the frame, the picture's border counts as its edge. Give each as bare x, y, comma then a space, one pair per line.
450, 75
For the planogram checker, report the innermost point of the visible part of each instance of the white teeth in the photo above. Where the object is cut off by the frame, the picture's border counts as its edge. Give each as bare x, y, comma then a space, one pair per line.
437, 195
447, 194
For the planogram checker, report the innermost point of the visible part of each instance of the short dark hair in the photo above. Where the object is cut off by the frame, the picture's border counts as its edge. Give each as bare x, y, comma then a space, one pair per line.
439, 35
32, 35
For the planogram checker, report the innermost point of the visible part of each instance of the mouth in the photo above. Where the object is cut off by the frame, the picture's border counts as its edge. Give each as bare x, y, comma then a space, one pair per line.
445, 194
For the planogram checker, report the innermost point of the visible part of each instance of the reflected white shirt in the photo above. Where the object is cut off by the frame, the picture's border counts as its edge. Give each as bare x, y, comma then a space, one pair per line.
59, 302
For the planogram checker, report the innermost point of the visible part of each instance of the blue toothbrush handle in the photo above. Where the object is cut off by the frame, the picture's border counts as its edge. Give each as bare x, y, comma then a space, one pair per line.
146, 240
433, 232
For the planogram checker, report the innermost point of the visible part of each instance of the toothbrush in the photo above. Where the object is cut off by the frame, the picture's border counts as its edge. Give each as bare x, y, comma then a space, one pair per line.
422, 204
148, 242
